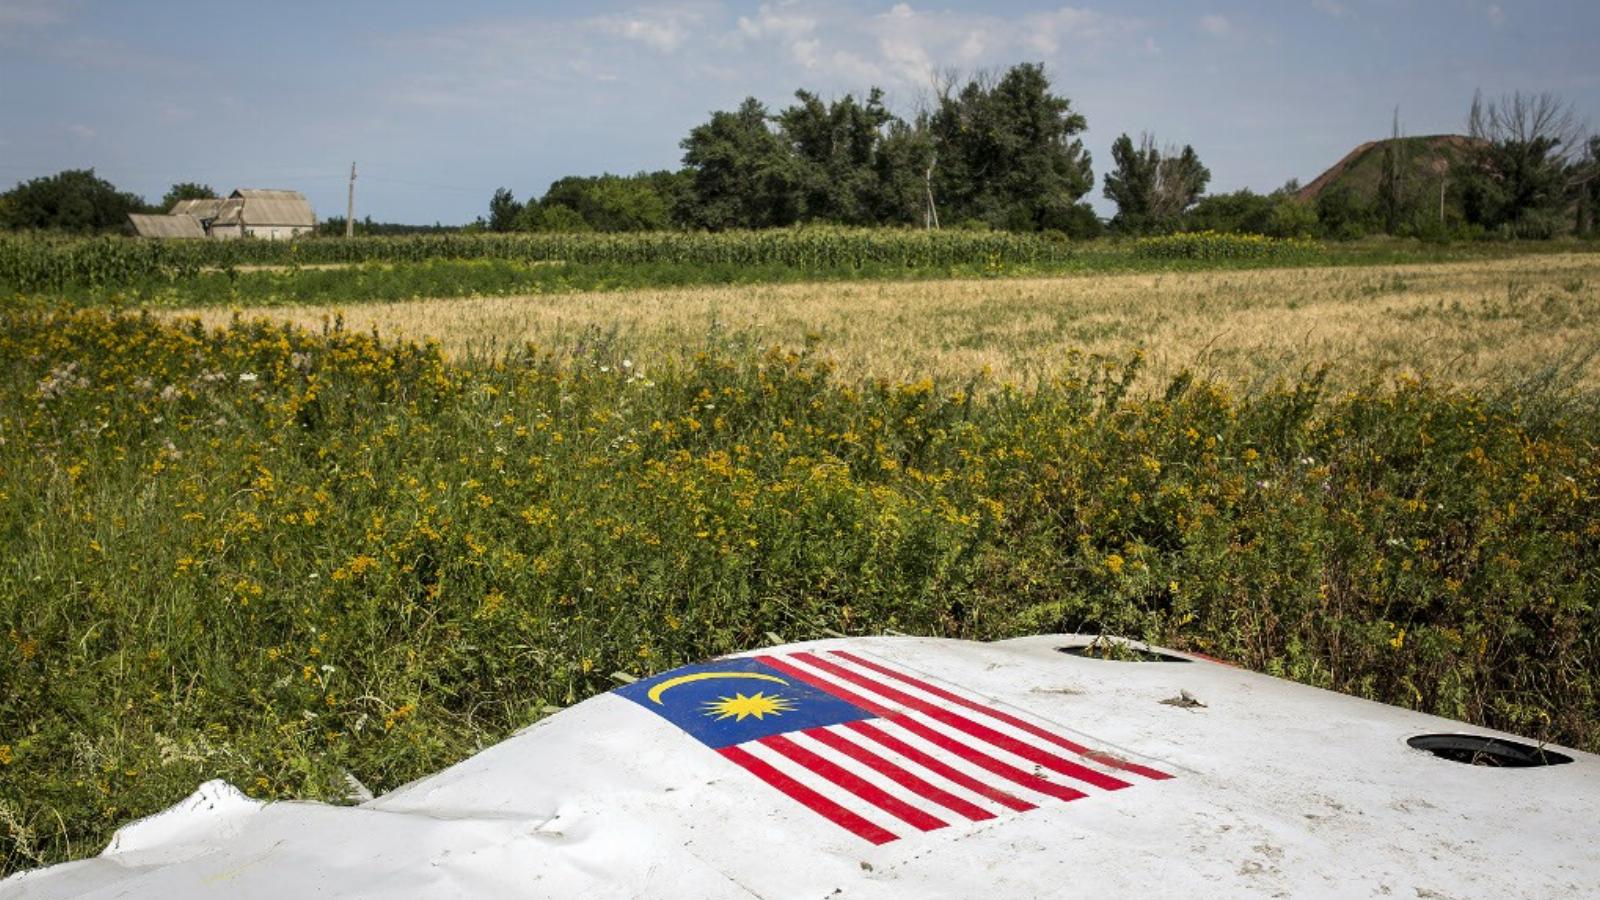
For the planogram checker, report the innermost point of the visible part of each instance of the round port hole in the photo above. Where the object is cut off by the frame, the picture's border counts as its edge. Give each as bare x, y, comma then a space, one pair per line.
1477, 750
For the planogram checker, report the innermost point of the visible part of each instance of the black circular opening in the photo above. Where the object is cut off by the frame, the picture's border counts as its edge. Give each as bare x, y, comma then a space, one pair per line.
1477, 750
1120, 651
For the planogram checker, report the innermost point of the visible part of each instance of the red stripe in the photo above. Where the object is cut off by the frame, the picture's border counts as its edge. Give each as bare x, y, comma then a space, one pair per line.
1002, 715
976, 757
981, 732
933, 764
812, 800
852, 782
821, 684
900, 776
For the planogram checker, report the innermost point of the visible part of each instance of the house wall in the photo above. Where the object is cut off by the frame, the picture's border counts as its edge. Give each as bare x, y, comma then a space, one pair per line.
276, 232
223, 232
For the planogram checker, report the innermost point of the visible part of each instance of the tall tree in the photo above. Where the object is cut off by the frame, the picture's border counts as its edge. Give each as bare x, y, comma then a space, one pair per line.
187, 190
742, 173
1152, 189
1395, 200
73, 200
503, 210
1008, 152
1523, 144
1585, 181
642, 202
906, 158
837, 146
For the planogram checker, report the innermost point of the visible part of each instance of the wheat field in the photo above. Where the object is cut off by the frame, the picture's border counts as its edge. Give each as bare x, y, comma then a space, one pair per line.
1485, 322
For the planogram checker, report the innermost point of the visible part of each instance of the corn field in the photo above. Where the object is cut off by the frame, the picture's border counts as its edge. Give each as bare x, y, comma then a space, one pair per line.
43, 263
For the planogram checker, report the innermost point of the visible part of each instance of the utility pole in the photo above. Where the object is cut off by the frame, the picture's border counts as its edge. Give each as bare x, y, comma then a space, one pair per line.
350, 210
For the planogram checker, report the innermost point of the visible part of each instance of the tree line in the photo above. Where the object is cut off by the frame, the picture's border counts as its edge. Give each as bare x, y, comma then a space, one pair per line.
996, 151
1005, 152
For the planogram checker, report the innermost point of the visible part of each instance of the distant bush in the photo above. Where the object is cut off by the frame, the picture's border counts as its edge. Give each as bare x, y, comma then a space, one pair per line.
1209, 245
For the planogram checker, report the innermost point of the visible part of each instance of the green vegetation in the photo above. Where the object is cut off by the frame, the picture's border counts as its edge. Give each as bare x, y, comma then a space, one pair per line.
73, 201
1211, 246
120, 271
30, 264
998, 152
1152, 187
278, 557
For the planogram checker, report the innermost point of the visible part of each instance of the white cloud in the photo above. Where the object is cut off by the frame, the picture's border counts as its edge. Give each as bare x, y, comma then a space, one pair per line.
1331, 7
665, 35
1046, 31
777, 21
1497, 16
16, 15
778, 45
82, 132
1216, 26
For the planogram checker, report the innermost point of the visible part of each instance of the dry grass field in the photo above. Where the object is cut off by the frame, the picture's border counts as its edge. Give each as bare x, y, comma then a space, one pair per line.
1481, 322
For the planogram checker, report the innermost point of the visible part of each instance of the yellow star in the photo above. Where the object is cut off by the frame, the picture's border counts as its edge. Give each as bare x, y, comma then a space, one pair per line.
739, 706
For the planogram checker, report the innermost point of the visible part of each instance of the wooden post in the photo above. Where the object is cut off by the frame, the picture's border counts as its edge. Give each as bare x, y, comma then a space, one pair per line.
350, 208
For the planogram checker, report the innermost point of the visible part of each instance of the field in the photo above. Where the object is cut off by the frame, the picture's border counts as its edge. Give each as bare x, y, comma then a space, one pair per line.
274, 547
1484, 322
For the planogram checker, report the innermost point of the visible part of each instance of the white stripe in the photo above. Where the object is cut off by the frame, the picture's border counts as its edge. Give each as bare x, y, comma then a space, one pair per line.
882, 782
939, 781
1005, 728
977, 745
982, 775
998, 782
827, 789
1011, 731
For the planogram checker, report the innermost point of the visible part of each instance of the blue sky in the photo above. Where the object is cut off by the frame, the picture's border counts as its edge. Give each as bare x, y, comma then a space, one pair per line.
440, 103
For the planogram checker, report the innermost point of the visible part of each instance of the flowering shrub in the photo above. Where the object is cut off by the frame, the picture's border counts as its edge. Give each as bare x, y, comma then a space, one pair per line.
278, 557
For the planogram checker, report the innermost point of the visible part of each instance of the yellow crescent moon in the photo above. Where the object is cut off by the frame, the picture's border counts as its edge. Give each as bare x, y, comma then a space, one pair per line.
670, 683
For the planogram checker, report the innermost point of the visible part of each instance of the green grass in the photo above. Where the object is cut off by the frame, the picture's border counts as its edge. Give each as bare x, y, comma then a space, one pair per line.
277, 557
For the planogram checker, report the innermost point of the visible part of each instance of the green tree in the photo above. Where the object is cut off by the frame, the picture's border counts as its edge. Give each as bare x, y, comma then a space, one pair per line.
837, 147
554, 217
73, 200
1240, 212
1152, 189
1522, 147
1290, 218
742, 175
1342, 214
1008, 154
905, 162
187, 190
503, 210
1586, 186
642, 202
1396, 203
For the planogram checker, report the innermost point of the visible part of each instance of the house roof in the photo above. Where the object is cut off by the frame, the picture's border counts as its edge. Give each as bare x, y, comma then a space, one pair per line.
179, 226
267, 207
199, 208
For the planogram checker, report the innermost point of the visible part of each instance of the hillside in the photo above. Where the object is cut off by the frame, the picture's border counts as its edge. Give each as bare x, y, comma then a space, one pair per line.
1428, 159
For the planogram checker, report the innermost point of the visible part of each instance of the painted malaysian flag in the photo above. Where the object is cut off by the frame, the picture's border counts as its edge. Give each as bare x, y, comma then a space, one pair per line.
878, 750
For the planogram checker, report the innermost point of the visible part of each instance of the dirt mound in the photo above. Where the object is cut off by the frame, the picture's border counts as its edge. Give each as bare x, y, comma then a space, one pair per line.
1359, 169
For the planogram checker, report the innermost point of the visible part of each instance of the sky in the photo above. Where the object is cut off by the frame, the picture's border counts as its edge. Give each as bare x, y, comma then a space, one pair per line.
441, 103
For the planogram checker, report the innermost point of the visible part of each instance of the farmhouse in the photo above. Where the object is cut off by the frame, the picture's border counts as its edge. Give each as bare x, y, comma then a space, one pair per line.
248, 212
